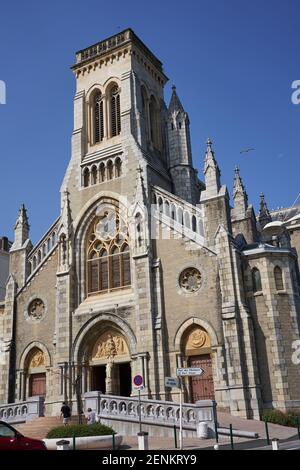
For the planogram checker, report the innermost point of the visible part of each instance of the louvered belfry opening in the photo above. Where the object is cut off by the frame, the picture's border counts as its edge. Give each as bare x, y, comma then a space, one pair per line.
115, 111
98, 118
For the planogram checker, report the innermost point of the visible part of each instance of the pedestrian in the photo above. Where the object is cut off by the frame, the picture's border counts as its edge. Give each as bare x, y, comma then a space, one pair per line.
91, 416
65, 413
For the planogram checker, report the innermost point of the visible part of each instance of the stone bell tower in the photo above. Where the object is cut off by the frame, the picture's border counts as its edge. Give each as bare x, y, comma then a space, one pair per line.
118, 118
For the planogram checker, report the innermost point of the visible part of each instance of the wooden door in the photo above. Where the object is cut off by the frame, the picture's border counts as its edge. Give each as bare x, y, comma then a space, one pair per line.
202, 386
37, 385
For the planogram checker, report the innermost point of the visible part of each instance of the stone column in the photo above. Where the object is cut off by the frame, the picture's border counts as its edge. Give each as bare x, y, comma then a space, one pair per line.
109, 377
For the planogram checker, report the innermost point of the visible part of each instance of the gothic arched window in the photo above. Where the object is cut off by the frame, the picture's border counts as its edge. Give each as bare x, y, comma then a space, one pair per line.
102, 172
256, 280
115, 111
278, 275
118, 167
94, 175
86, 178
98, 119
108, 256
110, 170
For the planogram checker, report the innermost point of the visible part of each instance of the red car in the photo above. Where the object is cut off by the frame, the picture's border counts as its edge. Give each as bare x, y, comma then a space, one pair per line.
11, 439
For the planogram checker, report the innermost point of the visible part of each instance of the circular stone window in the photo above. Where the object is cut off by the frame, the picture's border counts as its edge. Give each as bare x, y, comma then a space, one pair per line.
190, 280
36, 309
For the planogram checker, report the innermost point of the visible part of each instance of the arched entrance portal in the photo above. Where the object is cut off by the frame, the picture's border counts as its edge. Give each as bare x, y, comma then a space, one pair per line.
198, 353
110, 364
36, 373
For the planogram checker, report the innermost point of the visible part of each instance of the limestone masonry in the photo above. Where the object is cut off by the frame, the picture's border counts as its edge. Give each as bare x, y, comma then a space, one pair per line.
148, 268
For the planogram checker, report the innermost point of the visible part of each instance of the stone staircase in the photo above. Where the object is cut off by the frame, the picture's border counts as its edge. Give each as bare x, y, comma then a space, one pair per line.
39, 427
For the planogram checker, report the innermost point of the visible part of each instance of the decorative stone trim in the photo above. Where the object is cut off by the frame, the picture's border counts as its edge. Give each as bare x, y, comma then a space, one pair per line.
190, 280
32, 318
195, 321
178, 274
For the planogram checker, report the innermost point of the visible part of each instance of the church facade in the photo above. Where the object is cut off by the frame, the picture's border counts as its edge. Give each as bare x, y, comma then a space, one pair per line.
148, 268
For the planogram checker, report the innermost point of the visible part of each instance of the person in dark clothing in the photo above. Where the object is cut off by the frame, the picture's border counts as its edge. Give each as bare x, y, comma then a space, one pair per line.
65, 413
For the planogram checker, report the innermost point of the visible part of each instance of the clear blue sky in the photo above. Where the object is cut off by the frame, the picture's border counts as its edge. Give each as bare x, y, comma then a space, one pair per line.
233, 62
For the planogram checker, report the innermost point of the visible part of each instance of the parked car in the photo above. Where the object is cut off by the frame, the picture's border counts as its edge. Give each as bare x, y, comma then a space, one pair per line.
11, 439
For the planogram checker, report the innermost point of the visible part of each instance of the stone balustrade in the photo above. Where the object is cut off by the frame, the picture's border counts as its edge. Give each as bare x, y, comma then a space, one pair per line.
23, 411
43, 249
115, 410
183, 217
102, 47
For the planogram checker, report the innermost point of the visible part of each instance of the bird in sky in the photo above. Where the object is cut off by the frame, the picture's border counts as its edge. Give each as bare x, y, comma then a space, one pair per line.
247, 150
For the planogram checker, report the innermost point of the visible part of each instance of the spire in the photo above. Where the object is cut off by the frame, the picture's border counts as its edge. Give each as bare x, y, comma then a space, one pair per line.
264, 216
211, 171
210, 160
240, 196
21, 229
180, 153
175, 105
66, 219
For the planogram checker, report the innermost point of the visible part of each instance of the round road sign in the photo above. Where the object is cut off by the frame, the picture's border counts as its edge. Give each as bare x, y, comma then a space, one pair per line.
138, 380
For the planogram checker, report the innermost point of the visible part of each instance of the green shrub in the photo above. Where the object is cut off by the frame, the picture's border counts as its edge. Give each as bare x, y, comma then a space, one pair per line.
290, 418
80, 430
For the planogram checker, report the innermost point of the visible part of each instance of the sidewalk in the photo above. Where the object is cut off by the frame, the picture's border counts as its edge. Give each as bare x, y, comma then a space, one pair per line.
283, 433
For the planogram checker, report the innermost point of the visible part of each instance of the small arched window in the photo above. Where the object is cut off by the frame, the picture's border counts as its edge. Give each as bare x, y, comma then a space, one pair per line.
110, 170
278, 275
115, 111
118, 167
256, 280
194, 224
94, 175
86, 178
102, 172
98, 118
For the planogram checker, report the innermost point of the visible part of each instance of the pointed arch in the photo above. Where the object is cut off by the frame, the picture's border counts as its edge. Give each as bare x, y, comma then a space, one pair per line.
94, 174
29, 349
195, 321
113, 93
107, 252
102, 172
86, 177
93, 327
98, 116
118, 167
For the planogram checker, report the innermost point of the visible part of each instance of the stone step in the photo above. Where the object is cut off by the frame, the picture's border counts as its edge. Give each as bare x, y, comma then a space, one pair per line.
39, 427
